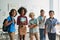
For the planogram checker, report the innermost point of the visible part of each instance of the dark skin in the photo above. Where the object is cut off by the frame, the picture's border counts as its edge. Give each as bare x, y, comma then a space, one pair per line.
22, 14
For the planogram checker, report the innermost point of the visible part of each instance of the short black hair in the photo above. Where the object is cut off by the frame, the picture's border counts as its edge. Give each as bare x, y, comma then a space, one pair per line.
41, 10
22, 8
51, 11
12, 10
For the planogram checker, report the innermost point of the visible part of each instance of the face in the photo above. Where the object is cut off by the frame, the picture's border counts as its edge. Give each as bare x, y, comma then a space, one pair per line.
42, 13
32, 16
14, 13
51, 14
22, 12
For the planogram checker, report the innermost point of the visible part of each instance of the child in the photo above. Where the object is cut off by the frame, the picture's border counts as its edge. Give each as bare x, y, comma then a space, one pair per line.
11, 21
50, 26
22, 22
33, 26
41, 24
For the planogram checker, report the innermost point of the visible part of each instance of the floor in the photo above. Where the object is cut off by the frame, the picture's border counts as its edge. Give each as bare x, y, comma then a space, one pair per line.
6, 37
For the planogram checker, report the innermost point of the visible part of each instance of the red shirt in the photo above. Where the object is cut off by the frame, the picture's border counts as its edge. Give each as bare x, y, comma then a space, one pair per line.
21, 19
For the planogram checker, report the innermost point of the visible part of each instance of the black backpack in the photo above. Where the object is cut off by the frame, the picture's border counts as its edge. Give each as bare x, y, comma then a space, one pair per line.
5, 28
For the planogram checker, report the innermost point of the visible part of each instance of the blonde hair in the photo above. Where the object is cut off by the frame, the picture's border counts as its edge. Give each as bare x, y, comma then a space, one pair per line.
31, 13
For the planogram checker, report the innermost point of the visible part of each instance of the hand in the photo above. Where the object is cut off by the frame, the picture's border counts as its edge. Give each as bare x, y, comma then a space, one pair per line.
39, 22
30, 26
45, 32
44, 16
15, 21
58, 25
11, 22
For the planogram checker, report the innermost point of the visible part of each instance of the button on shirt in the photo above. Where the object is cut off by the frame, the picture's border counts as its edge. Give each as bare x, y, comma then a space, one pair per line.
42, 22
50, 23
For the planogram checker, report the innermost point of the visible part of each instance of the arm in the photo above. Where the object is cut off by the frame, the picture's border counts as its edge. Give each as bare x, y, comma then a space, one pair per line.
43, 20
45, 29
46, 24
15, 21
36, 23
26, 22
29, 25
7, 23
57, 23
32, 26
18, 21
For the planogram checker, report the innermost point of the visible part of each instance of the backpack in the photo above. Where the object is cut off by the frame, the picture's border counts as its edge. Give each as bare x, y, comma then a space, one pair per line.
5, 28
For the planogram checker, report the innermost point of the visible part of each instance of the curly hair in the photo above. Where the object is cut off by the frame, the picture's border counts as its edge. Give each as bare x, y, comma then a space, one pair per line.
22, 8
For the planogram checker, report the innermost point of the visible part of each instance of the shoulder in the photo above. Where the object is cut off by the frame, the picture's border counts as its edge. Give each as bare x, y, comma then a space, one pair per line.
18, 16
38, 16
55, 19
8, 17
25, 16
29, 20
47, 18
35, 19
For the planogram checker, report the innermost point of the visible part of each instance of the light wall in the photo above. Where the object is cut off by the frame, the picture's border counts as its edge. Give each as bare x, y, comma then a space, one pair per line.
31, 5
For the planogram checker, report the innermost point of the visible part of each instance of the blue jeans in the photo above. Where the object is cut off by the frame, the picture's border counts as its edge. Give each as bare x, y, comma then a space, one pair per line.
42, 35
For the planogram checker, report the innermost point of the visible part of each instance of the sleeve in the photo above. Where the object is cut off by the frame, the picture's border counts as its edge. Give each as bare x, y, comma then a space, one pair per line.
46, 23
26, 21
38, 21
29, 23
18, 21
57, 22
8, 18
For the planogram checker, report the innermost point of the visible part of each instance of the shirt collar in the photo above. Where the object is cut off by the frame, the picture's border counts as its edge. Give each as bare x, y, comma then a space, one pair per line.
51, 18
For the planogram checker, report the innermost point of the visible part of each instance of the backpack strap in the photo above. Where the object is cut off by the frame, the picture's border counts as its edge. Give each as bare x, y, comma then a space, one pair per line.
11, 18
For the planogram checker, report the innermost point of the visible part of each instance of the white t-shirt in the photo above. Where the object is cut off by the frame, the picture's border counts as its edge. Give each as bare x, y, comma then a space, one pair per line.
42, 24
